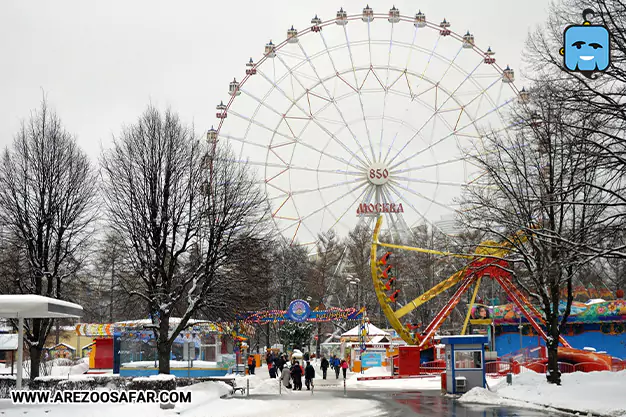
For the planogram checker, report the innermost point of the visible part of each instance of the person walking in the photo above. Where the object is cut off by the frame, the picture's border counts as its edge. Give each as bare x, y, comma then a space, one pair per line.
280, 363
273, 371
344, 367
269, 359
251, 364
286, 378
324, 367
306, 356
336, 365
309, 374
296, 375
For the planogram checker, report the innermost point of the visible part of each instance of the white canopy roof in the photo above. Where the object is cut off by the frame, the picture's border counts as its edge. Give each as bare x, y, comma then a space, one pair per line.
36, 306
371, 331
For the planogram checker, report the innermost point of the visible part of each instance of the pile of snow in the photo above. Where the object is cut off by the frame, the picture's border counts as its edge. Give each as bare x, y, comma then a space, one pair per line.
431, 382
173, 364
592, 392
78, 369
159, 377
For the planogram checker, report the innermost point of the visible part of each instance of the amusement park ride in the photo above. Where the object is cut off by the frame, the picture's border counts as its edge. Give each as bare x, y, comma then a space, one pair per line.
488, 261
379, 117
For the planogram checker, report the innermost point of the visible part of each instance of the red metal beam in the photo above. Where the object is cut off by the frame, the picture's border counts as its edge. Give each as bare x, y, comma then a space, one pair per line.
429, 332
506, 283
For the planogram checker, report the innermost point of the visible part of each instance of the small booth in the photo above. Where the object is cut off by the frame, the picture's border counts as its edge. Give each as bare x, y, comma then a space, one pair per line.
375, 343
200, 350
61, 351
101, 348
465, 366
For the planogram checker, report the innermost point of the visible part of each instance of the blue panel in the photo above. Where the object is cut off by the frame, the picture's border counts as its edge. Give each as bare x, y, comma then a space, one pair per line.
464, 340
116, 353
614, 345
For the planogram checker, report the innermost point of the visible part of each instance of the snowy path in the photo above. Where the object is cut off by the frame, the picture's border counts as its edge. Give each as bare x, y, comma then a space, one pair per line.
399, 398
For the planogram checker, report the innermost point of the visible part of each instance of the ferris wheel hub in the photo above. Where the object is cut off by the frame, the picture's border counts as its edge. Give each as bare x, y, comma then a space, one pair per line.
378, 173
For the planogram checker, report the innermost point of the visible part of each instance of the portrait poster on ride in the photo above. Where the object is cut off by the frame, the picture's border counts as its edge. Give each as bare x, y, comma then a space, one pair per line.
480, 312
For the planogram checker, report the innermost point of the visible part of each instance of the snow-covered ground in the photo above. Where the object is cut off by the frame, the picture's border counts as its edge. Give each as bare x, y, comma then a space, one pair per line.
264, 400
56, 370
599, 393
430, 383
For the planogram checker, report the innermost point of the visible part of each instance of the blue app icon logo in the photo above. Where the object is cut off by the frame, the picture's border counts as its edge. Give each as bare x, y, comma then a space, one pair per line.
586, 48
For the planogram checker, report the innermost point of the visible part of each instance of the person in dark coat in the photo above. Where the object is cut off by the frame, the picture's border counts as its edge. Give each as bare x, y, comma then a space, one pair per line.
324, 366
296, 375
306, 356
273, 370
280, 363
309, 374
269, 359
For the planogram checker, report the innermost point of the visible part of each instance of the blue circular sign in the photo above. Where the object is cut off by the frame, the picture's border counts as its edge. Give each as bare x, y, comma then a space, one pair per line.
298, 311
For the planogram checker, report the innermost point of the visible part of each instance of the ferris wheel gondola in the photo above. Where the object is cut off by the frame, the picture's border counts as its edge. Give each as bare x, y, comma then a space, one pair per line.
355, 120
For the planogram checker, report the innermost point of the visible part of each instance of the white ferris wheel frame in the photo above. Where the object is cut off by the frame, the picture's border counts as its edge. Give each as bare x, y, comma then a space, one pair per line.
368, 192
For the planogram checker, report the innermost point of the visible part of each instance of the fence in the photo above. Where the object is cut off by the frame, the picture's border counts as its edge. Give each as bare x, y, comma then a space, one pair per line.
433, 367
497, 369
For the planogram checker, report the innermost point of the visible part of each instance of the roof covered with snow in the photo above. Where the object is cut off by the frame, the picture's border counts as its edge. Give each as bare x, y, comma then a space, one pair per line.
371, 331
36, 306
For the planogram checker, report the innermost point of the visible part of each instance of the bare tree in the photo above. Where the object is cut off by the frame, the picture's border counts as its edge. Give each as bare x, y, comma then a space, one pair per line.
595, 96
538, 182
326, 284
47, 195
188, 217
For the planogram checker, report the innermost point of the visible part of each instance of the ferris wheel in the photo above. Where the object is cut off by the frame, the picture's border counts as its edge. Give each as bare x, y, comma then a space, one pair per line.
365, 114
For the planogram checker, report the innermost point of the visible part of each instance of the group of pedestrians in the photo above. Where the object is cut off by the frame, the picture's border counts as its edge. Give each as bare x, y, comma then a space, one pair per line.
291, 373
336, 364
276, 364
296, 372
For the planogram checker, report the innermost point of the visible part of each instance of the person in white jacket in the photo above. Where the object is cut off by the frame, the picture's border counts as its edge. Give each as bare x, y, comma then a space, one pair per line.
286, 377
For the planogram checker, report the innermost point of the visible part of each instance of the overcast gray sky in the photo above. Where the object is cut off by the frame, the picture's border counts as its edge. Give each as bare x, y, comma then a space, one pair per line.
101, 63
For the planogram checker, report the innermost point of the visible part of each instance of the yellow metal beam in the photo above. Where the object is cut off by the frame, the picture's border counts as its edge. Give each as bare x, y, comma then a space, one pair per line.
484, 250
430, 251
380, 290
430, 294
469, 310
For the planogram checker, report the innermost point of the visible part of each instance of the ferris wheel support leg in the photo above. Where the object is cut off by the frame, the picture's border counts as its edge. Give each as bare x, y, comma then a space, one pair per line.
469, 309
429, 332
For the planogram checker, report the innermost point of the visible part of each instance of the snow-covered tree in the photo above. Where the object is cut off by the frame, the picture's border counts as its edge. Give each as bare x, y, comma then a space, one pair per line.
190, 218
538, 182
599, 97
47, 201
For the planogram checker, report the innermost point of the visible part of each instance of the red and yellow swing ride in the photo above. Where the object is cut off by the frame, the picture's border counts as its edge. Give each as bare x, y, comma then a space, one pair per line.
488, 261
